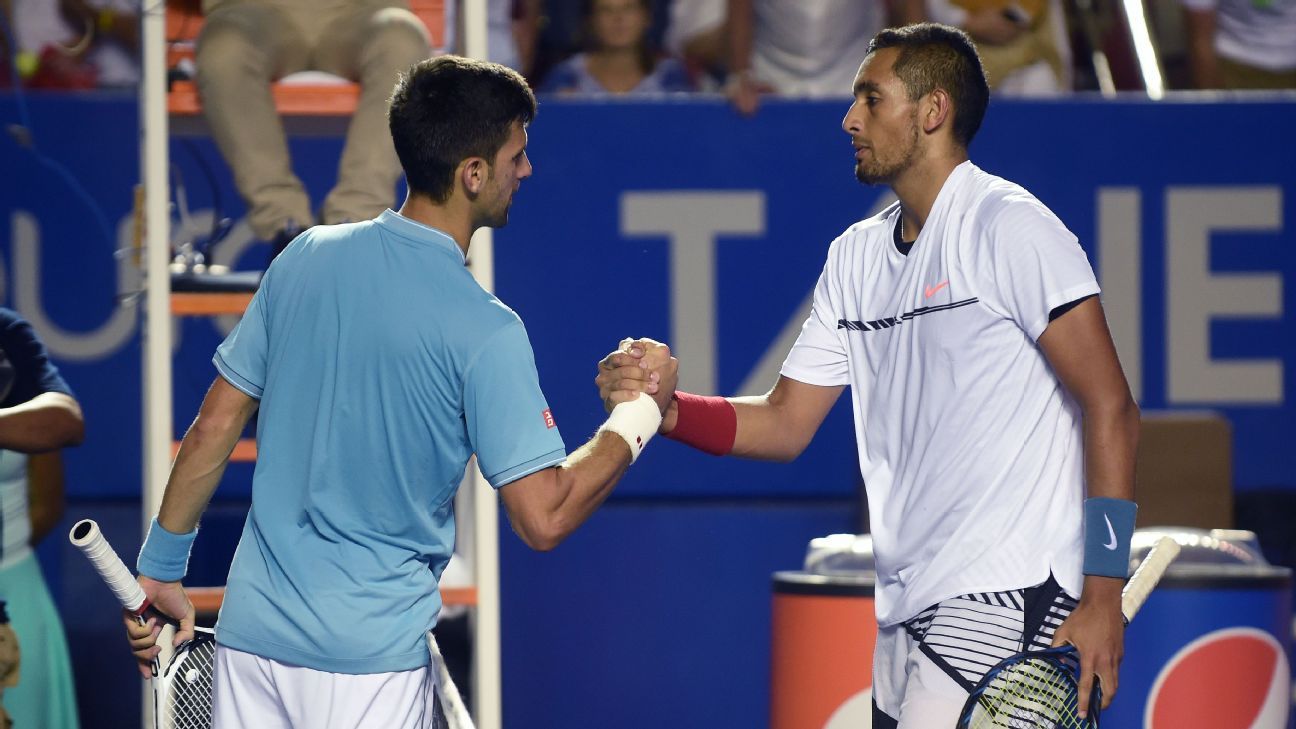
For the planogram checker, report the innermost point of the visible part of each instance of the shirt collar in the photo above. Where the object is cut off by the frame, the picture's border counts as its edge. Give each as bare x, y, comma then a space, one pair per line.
414, 230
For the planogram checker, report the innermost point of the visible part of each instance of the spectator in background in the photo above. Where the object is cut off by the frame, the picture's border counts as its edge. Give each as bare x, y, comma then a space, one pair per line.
246, 44
73, 44
1023, 44
618, 57
1241, 44
697, 35
38, 415
112, 29
803, 49
512, 29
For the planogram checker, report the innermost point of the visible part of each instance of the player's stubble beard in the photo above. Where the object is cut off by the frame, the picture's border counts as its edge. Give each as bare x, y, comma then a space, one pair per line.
497, 217
879, 171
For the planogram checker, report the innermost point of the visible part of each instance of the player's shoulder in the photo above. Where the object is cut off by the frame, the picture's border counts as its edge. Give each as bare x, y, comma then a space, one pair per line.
481, 316
866, 235
336, 233
1006, 210
995, 198
495, 313
492, 329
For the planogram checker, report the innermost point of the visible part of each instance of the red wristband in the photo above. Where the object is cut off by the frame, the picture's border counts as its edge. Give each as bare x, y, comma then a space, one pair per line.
709, 424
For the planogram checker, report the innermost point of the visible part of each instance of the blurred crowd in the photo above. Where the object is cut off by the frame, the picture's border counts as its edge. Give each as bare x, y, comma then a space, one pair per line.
746, 49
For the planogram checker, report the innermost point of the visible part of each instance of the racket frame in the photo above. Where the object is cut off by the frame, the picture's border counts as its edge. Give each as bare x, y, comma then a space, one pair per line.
1135, 593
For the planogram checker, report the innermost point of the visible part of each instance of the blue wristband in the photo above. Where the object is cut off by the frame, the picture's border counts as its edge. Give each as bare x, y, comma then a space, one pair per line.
165, 556
1108, 527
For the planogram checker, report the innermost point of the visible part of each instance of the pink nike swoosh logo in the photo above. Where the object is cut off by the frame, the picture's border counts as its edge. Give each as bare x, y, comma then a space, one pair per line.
930, 291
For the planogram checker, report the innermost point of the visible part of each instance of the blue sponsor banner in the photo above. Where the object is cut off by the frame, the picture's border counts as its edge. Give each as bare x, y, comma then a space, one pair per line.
685, 222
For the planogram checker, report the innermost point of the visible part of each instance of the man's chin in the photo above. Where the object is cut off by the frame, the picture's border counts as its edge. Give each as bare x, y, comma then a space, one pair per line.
875, 176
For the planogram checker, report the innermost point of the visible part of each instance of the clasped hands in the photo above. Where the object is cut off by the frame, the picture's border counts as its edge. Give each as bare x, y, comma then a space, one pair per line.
640, 365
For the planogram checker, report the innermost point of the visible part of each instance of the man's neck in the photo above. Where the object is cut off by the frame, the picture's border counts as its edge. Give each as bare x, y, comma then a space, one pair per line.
452, 218
919, 186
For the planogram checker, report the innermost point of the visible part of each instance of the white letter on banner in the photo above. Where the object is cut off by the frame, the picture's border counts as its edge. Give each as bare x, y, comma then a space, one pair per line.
1196, 295
61, 343
691, 221
1120, 264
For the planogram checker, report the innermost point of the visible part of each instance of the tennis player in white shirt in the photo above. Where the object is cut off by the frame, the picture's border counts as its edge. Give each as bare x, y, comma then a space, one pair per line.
996, 430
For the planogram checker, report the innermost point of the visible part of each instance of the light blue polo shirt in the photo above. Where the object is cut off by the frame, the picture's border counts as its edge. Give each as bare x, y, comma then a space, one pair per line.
381, 366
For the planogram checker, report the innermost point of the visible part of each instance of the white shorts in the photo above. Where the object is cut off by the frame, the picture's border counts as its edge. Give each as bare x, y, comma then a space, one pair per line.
925, 668
251, 691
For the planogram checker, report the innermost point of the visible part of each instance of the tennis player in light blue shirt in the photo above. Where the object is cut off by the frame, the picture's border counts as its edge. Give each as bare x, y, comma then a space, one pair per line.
372, 402
379, 366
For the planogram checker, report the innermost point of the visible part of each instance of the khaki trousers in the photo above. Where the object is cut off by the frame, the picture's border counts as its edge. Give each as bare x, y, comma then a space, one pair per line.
246, 44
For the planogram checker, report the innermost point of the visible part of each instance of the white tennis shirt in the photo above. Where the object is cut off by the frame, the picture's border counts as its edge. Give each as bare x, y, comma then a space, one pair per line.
970, 449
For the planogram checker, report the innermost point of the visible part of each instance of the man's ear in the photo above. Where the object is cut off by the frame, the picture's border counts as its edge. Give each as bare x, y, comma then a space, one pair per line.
473, 173
937, 110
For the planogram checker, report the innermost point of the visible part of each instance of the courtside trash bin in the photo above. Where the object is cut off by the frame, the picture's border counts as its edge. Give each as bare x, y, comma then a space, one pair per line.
1211, 647
824, 629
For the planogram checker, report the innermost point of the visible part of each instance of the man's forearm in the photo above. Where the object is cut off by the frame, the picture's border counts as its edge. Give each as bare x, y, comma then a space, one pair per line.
1110, 446
778, 425
741, 24
203, 454
45, 494
761, 432
589, 475
47, 422
547, 506
764, 433
196, 473
1202, 61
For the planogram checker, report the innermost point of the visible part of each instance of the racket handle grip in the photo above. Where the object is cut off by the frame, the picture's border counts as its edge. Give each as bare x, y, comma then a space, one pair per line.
1147, 575
86, 536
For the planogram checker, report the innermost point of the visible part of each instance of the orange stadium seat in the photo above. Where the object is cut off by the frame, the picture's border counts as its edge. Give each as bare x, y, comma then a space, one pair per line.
184, 21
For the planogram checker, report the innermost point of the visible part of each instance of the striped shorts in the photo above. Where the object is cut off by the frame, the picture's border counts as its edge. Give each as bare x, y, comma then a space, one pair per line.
924, 668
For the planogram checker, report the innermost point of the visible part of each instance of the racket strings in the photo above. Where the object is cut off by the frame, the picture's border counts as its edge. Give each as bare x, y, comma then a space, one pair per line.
1033, 694
188, 697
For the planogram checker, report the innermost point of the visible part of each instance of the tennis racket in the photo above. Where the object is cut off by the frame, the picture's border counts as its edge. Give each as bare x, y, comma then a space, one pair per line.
451, 713
182, 678
1041, 689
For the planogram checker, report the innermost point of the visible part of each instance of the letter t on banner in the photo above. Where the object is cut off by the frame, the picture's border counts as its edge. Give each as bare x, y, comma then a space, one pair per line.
690, 221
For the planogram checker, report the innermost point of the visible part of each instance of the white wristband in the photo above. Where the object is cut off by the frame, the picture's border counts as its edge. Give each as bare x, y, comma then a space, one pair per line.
636, 422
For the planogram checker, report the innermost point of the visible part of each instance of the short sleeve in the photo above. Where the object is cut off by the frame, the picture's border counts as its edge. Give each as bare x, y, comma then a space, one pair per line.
1037, 265
510, 426
819, 355
241, 358
25, 368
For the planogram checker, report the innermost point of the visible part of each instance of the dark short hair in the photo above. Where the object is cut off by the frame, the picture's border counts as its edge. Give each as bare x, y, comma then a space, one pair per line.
936, 56
447, 109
